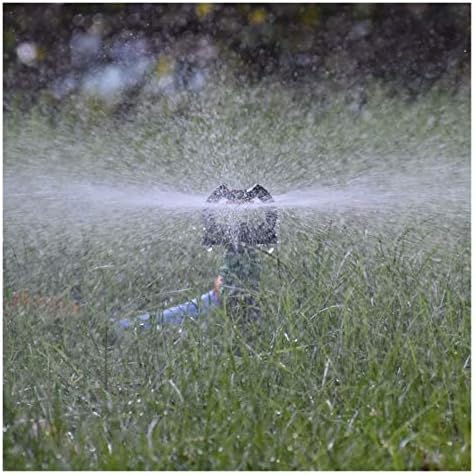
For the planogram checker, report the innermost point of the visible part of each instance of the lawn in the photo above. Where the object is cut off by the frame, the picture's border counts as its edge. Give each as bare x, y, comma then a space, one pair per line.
357, 359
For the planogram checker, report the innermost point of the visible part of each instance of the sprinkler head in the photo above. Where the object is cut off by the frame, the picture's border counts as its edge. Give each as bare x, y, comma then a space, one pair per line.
261, 231
222, 192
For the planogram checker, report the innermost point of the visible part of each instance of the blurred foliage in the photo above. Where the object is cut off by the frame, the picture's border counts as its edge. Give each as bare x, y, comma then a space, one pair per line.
409, 46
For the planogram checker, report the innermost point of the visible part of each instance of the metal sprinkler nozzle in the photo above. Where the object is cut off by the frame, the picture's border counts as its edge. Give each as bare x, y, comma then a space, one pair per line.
246, 233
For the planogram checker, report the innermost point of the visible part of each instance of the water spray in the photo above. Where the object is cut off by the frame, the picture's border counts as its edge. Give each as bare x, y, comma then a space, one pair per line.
244, 229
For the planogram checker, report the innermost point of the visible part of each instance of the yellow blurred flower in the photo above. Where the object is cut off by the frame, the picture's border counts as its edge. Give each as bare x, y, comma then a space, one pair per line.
41, 54
203, 9
163, 66
257, 16
310, 14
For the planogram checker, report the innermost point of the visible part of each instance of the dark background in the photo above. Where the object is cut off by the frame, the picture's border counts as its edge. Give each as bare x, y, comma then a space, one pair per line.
407, 46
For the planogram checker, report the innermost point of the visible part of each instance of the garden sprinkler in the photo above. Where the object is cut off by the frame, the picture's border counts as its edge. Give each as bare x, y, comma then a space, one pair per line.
237, 233
240, 230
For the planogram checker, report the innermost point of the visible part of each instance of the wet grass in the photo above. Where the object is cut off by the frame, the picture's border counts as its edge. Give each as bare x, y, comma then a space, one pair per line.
356, 362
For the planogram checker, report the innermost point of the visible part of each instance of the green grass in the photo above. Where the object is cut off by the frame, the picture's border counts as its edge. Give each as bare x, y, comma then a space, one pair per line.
355, 364
357, 359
